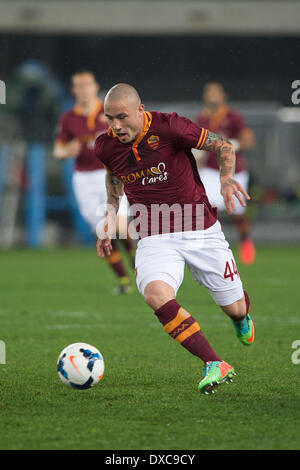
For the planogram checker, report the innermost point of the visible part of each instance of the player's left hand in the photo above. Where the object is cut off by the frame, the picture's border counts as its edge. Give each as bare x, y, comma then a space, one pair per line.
229, 188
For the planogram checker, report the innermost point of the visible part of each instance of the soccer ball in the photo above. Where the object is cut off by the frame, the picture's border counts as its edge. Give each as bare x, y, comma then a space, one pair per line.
80, 365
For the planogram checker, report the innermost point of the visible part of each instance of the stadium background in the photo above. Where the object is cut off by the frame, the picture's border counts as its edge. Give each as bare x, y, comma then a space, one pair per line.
168, 61
167, 50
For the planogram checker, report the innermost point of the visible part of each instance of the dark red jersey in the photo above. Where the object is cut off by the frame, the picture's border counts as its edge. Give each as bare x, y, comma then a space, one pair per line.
74, 124
159, 168
227, 123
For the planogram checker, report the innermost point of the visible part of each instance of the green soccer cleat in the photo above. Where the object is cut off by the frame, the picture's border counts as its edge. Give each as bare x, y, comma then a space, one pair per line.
124, 287
215, 373
244, 330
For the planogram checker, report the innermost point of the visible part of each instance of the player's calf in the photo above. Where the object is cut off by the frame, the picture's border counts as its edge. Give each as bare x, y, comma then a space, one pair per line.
177, 322
242, 322
182, 327
116, 263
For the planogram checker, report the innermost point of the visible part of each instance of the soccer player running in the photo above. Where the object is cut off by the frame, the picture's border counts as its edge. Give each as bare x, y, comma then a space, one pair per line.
148, 155
219, 118
77, 131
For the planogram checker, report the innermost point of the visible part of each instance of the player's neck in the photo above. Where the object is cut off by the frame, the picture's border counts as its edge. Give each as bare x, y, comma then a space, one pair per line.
214, 109
140, 129
87, 107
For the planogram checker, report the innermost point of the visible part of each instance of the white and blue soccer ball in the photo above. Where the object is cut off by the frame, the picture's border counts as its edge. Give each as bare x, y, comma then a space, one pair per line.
80, 365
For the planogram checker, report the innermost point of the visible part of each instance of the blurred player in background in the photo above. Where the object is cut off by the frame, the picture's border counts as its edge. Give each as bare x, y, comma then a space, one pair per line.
219, 118
77, 131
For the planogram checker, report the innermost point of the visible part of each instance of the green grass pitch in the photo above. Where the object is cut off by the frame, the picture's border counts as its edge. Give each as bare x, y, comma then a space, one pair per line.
148, 397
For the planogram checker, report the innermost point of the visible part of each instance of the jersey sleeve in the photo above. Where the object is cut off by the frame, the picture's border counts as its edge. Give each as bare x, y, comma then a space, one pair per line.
63, 135
186, 133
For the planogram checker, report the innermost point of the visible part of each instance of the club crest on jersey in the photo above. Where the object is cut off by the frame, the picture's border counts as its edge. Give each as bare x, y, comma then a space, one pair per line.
153, 141
148, 176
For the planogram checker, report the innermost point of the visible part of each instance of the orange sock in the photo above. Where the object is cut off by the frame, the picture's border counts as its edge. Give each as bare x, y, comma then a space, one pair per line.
115, 261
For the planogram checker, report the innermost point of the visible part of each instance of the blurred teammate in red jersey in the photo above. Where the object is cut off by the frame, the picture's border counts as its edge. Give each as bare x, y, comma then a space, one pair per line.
77, 131
219, 118
148, 155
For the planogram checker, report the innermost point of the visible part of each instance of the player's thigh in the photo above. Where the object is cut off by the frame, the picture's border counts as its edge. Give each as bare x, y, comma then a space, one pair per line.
157, 260
212, 265
211, 180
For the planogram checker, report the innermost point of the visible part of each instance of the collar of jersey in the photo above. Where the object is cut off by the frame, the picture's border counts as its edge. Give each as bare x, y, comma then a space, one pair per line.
91, 118
147, 124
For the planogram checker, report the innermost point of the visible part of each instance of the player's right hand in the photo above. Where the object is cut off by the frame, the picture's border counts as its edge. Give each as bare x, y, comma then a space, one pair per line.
74, 147
104, 247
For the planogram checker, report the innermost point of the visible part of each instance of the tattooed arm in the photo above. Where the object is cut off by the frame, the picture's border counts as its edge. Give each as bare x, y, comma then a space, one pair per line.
115, 190
226, 159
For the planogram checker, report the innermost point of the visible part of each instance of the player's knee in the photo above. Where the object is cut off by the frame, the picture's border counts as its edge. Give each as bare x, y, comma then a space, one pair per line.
151, 299
154, 299
237, 310
157, 293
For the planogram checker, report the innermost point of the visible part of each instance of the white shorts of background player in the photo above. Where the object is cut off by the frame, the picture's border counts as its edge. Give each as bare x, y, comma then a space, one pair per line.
211, 180
90, 192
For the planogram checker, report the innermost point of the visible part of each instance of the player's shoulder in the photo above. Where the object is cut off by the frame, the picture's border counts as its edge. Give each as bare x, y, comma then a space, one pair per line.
66, 116
103, 143
163, 117
165, 122
103, 137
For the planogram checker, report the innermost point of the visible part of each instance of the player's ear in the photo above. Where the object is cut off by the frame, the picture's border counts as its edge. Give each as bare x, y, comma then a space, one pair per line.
141, 108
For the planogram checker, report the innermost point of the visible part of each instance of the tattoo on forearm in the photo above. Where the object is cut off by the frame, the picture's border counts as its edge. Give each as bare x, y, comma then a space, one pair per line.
228, 182
115, 190
224, 150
